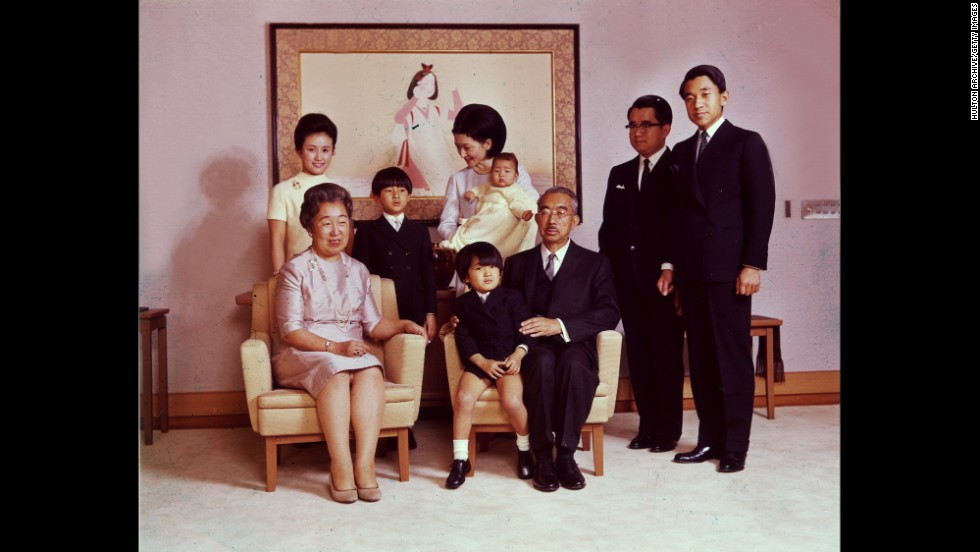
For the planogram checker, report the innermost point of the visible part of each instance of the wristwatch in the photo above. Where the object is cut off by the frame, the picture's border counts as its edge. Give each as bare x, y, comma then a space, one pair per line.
326, 345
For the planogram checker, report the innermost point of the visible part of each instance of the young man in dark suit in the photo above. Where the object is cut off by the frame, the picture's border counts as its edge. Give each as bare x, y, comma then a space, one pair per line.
572, 297
725, 204
637, 221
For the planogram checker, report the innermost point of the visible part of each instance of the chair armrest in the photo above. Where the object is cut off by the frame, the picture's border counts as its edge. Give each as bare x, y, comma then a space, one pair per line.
257, 372
405, 363
609, 344
454, 367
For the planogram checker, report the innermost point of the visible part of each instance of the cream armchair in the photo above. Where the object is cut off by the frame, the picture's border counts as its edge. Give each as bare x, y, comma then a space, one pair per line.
489, 417
289, 415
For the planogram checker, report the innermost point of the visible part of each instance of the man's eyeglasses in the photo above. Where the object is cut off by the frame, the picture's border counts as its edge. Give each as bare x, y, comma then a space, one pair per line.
644, 126
557, 214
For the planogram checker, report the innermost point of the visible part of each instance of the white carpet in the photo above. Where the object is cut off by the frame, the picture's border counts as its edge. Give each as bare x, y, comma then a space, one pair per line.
204, 490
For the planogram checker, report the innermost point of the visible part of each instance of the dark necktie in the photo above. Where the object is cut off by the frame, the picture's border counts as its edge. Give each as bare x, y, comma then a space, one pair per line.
646, 172
704, 144
549, 269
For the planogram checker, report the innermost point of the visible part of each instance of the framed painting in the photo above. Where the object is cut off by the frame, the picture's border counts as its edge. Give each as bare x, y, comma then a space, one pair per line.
364, 78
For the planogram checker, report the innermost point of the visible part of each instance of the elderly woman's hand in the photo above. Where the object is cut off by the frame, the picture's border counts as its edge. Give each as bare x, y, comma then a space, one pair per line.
352, 348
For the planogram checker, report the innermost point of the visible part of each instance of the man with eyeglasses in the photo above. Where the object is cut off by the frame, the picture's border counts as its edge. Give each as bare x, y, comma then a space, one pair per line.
571, 293
635, 232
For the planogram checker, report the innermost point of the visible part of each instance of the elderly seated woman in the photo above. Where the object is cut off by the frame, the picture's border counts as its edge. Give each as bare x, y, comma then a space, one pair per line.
323, 304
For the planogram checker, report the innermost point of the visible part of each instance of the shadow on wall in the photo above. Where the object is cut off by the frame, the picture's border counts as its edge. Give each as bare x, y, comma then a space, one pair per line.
217, 259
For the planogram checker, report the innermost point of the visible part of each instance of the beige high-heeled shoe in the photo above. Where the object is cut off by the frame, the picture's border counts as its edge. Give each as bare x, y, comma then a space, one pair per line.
346, 496
369, 494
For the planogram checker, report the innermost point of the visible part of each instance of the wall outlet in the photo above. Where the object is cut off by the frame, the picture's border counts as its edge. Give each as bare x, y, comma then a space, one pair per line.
820, 209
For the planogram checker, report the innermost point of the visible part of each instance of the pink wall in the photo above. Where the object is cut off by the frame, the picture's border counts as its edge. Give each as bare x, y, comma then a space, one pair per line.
205, 147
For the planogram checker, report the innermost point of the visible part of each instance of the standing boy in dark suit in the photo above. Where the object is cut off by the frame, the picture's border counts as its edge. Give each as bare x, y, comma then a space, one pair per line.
572, 297
725, 204
394, 247
637, 220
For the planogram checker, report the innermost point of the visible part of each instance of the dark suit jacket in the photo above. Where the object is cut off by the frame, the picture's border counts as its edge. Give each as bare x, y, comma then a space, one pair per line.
583, 296
490, 328
725, 206
404, 256
637, 224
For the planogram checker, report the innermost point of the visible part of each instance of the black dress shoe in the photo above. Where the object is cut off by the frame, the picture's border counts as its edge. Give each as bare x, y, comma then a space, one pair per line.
457, 473
545, 478
642, 442
525, 464
568, 473
698, 455
663, 446
732, 462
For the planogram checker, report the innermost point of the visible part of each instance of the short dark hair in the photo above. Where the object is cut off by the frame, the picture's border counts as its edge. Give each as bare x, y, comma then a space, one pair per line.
482, 122
506, 156
328, 192
313, 123
560, 190
426, 70
709, 71
659, 105
390, 177
485, 252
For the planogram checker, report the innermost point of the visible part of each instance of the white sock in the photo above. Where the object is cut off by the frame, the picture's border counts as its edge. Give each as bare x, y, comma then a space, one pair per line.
461, 449
524, 442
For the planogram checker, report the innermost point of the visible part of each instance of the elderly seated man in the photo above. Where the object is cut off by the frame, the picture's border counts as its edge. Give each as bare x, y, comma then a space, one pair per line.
572, 297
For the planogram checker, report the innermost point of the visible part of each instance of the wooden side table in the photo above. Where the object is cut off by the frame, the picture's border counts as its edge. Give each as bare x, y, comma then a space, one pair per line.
762, 327
150, 320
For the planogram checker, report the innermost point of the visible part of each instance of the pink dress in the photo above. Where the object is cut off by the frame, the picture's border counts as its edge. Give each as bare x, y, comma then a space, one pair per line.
306, 300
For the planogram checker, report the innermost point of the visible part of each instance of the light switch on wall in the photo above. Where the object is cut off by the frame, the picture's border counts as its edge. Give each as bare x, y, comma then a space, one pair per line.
820, 209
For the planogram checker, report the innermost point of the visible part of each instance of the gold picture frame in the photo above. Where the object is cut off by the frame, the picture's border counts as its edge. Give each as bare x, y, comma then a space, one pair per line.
357, 75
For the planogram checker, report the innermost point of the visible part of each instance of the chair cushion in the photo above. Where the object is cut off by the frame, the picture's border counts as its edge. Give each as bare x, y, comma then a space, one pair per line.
298, 398
490, 394
293, 411
599, 412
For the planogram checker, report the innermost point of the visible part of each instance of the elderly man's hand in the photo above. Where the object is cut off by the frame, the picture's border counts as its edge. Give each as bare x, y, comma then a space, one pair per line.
540, 326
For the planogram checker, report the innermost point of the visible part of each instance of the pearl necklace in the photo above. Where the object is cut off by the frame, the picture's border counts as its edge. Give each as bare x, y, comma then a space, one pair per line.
342, 316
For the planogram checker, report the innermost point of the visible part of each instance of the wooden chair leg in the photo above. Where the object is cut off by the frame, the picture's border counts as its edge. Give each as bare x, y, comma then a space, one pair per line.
472, 451
585, 440
271, 463
770, 383
597, 453
403, 454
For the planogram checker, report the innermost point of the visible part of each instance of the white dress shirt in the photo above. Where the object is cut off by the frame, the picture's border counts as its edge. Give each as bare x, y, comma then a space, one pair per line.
395, 221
